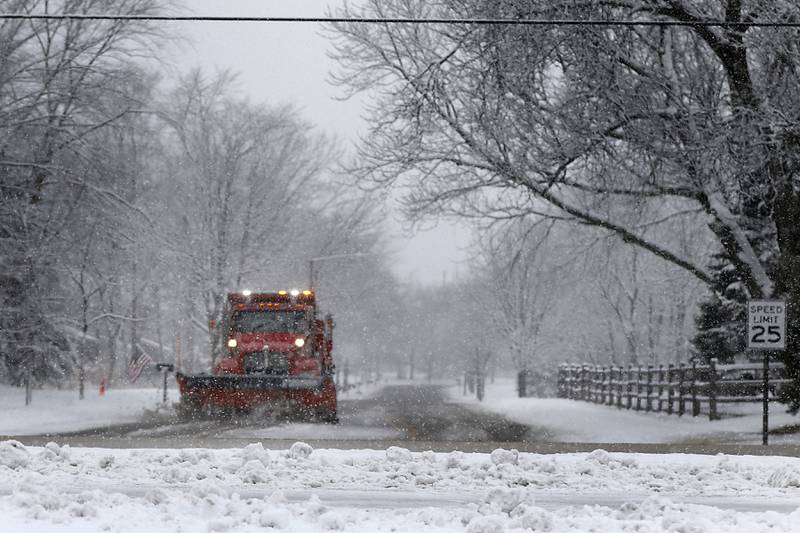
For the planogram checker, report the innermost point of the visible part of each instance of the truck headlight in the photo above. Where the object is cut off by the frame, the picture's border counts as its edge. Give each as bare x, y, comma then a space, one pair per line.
231, 343
299, 342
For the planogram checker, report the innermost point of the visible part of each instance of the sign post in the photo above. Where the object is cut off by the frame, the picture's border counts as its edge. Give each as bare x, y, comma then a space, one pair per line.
167, 368
766, 330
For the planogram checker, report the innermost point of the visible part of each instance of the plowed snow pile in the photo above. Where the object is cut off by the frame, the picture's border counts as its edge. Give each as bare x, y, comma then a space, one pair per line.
56, 488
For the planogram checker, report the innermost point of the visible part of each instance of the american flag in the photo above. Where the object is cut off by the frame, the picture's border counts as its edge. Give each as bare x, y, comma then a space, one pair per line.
139, 360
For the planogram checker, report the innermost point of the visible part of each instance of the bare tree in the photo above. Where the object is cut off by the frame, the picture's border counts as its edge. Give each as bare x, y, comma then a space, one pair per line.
58, 79
588, 123
248, 194
645, 303
522, 282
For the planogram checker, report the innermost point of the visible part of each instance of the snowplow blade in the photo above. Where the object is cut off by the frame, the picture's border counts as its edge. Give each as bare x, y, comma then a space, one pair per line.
314, 395
235, 383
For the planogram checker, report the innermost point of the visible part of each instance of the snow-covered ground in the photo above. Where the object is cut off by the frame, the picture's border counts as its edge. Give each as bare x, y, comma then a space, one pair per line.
58, 489
561, 420
576, 421
53, 411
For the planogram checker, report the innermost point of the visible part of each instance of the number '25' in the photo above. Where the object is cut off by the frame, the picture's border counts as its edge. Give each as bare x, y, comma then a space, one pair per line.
773, 334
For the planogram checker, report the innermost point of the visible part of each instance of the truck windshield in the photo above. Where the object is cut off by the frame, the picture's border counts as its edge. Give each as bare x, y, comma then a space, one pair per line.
269, 322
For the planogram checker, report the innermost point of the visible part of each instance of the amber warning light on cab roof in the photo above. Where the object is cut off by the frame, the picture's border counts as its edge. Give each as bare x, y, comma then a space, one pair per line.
295, 295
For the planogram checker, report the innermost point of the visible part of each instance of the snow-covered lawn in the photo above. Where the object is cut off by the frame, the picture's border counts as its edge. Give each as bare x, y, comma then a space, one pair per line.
61, 411
58, 489
577, 421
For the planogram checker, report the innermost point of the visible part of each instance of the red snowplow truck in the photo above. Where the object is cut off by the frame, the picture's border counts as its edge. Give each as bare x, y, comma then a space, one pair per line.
278, 360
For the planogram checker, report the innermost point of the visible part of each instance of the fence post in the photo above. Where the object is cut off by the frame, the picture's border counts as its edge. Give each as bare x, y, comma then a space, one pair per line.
629, 387
681, 397
610, 390
603, 374
595, 387
639, 389
649, 403
597, 383
670, 389
620, 377
712, 389
600, 397
695, 403
660, 403
602, 384
584, 382
613, 385
569, 377
573, 381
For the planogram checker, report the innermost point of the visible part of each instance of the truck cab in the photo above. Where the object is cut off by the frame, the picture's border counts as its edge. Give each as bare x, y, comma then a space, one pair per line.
273, 334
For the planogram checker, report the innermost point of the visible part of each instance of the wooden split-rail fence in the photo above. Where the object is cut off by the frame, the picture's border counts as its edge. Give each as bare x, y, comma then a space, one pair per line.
670, 388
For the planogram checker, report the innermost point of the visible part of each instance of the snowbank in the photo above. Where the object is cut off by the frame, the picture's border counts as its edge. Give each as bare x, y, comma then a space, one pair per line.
56, 488
561, 420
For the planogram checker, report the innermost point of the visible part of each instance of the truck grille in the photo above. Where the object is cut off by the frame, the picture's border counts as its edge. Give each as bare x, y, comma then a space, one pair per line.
273, 363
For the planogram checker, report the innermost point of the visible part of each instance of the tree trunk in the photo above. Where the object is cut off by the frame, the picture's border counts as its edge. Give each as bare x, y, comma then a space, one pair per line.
787, 283
81, 378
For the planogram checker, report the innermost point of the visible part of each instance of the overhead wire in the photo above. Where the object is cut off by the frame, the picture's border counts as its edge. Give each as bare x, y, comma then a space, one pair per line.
401, 20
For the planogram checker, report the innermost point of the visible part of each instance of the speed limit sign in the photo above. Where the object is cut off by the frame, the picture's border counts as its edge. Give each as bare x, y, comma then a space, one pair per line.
766, 324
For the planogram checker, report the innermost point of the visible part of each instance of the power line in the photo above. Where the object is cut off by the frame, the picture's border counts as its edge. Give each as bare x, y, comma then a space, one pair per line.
400, 20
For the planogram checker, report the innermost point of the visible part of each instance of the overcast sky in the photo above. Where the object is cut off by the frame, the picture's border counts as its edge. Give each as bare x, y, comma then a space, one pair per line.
287, 62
